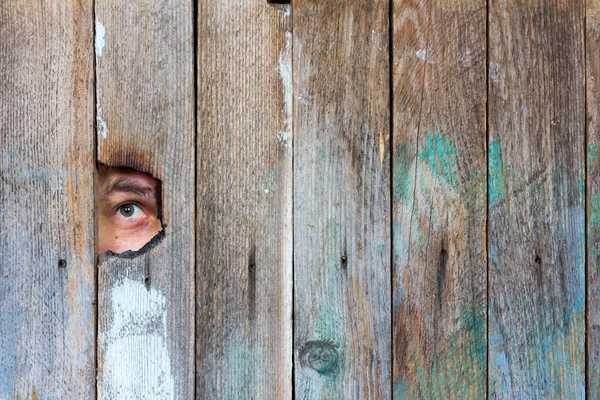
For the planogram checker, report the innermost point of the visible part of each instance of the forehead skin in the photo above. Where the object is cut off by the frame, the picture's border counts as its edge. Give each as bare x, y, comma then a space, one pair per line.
108, 176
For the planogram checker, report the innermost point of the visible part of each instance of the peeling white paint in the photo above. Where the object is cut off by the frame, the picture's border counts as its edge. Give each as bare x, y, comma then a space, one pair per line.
381, 148
102, 128
281, 138
496, 72
136, 342
286, 11
100, 32
380, 39
303, 95
285, 72
466, 58
426, 56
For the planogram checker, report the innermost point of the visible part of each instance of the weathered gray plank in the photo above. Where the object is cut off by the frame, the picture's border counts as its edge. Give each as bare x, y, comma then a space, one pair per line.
536, 200
47, 314
439, 193
145, 120
342, 337
593, 195
244, 189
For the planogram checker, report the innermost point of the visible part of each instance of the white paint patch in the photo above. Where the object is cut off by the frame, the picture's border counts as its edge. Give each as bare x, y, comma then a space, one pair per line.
137, 364
281, 138
285, 72
466, 58
426, 56
381, 149
267, 191
496, 72
102, 128
304, 97
380, 39
100, 32
286, 11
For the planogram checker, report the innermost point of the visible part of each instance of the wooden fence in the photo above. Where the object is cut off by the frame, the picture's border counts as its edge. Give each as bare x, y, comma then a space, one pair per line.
363, 199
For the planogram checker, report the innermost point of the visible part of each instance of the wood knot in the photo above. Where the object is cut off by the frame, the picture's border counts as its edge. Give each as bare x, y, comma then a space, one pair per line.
320, 355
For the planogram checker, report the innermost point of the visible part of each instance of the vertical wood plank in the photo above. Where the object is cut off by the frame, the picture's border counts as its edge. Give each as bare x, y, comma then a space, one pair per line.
244, 189
145, 120
536, 200
593, 196
47, 315
439, 194
342, 277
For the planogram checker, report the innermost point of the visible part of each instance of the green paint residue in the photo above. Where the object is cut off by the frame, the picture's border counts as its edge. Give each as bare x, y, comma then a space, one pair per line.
271, 185
554, 359
592, 153
458, 371
328, 324
594, 211
496, 183
581, 179
328, 328
319, 153
241, 356
440, 154
477, 191
403, 179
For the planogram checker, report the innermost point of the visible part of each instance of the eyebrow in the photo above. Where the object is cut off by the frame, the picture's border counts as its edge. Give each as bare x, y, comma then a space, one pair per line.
126, 185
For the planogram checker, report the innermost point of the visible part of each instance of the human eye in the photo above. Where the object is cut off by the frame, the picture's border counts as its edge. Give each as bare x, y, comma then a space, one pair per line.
130, 211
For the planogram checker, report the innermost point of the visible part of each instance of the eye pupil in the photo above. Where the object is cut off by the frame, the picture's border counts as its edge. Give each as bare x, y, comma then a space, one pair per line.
126, 210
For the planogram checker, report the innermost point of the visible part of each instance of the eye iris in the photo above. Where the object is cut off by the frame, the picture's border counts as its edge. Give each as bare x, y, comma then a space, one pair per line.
126, 210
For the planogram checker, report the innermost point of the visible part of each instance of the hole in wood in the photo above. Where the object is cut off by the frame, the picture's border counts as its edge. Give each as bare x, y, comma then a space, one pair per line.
128, 211
278, 1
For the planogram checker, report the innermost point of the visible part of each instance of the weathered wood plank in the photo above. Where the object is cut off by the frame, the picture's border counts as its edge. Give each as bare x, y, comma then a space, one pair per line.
439, 194
145, 120
47, 313
536, 200
244, 189
593, 195
342, 243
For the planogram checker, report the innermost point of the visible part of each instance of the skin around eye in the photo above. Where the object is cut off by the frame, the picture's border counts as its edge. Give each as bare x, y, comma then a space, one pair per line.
127, 209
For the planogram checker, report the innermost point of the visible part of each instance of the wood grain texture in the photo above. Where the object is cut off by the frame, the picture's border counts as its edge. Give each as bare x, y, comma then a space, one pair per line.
145, 120
536, 200
439, 194
244, 189
47, 313
342, 243
593, 196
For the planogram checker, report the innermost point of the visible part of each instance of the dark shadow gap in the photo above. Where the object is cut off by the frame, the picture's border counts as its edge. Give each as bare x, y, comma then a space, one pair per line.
391, 188
196, 49
95, 194
585, 209
129, 254
487, 202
